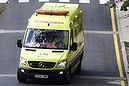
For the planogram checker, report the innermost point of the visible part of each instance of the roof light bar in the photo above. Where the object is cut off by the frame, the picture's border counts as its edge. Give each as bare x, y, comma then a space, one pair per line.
52, 12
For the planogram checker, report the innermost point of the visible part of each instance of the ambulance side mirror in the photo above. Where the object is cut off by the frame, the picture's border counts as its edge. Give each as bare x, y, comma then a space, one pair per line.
73, 46
19, 43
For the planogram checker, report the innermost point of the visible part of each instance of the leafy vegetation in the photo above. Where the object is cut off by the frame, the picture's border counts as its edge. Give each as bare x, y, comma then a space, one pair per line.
125, 5
127, 50
2, 8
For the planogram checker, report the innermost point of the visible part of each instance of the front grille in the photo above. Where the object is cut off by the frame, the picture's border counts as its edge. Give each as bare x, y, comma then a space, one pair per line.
39, 64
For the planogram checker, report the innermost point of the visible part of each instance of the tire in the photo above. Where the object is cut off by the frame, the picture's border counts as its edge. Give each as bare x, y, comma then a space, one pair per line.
20, 77
67, 77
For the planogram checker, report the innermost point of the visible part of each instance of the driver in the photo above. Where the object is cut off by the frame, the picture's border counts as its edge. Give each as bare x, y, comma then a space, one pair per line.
59, 42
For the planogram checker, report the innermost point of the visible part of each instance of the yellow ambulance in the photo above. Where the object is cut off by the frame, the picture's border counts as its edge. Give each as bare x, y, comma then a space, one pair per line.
53, 44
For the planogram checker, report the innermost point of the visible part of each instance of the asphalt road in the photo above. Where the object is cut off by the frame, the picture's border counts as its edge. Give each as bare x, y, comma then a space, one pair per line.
99, 67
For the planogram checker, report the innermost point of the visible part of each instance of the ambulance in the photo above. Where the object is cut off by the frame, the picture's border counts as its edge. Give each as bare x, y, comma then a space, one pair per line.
53, 44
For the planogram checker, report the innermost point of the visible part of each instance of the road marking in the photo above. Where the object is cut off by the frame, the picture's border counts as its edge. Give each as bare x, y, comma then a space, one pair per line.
7, 75
3, 1
84, 1
78, 76
103, 1
11, 31
43, 0
23, 1
102, 77
114, 82
86, 31
80, 1
64, 0
100, 32
116, 46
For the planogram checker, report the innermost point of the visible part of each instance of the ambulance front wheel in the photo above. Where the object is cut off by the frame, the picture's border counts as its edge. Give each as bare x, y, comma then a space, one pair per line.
68, 77
21, 77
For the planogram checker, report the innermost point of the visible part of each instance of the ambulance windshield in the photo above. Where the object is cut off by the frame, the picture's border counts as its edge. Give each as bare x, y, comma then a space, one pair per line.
46, 39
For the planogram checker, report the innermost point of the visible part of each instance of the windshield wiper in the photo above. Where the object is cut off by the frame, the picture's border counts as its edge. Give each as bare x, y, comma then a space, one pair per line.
57, 51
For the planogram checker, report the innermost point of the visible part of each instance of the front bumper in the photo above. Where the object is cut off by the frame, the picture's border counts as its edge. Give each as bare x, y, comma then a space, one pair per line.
51, 74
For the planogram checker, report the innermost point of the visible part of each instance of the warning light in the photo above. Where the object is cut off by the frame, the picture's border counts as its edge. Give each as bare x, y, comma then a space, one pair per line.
52, 12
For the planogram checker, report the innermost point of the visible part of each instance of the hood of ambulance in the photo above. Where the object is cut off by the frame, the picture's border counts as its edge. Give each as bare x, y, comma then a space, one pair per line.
46, 55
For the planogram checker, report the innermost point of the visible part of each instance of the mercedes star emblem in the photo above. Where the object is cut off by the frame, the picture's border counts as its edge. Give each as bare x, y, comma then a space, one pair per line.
41, 64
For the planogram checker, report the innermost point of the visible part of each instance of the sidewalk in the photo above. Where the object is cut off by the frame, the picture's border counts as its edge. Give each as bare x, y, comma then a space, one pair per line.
124, 23
123, 28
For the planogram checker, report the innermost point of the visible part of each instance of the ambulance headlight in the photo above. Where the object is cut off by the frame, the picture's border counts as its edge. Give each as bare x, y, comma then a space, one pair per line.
23, 61
62, 64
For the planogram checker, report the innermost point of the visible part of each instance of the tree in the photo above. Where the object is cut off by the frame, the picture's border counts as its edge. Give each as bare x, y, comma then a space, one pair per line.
125, 5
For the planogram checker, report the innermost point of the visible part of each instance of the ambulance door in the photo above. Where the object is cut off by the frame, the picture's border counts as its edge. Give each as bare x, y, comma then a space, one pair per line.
72, 54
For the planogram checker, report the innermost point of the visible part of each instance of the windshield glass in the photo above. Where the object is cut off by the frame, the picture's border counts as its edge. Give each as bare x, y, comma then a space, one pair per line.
48, 39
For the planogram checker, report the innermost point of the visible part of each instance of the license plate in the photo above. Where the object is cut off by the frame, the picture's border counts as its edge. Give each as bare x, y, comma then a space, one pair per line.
41, 76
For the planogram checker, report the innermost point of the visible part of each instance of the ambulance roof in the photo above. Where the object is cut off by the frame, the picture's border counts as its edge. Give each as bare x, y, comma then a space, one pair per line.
70, 8
53, 15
